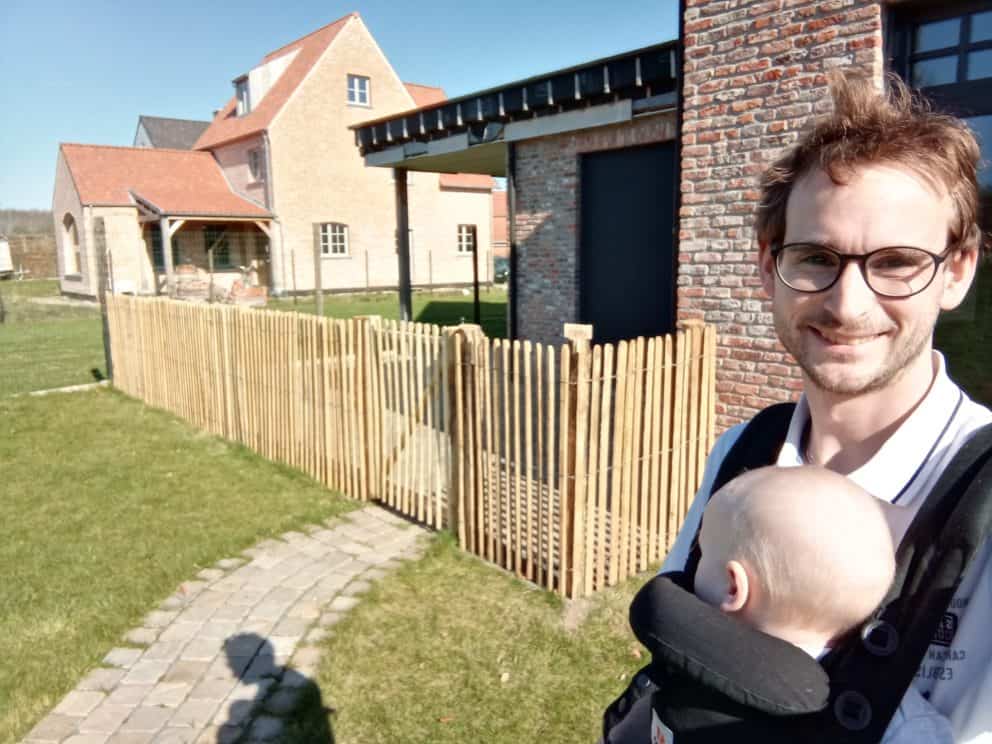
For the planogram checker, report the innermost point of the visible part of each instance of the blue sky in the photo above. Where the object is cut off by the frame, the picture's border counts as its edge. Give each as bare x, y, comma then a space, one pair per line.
83, 72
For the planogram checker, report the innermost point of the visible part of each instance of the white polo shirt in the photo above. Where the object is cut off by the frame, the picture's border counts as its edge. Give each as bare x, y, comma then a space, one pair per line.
956, 676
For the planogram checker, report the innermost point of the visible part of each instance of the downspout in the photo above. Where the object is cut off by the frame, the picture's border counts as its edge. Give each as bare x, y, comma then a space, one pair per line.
677, 206
277, 277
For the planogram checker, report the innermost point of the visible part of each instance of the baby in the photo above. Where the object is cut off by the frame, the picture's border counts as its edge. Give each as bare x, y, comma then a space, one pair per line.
801, 554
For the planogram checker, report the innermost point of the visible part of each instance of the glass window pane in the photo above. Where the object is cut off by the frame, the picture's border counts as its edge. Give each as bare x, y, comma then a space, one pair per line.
981, 26
980, 64
938, 71
937, 35
964, 335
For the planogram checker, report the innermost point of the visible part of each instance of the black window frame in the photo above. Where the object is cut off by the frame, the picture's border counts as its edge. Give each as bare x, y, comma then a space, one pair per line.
962, 98
158, 255
222, 249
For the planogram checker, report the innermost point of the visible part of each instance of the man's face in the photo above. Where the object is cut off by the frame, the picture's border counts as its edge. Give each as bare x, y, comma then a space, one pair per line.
847, 339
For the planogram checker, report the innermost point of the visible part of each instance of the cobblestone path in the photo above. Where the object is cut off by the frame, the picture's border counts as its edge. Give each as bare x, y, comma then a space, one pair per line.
228, 656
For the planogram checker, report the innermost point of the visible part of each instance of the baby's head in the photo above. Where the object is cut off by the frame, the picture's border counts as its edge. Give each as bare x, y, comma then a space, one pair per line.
800, 553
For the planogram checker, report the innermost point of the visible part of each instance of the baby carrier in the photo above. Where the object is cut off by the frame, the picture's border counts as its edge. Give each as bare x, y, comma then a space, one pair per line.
868, 673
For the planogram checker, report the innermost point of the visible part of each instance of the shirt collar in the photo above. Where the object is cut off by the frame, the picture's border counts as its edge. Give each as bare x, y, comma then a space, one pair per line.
888, 473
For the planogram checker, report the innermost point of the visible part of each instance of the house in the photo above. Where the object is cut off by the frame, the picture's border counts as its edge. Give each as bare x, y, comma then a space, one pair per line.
748, 77
173, 134
273, 190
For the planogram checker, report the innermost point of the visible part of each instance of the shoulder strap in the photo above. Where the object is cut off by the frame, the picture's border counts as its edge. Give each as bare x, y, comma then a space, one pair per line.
872, 672
758, 445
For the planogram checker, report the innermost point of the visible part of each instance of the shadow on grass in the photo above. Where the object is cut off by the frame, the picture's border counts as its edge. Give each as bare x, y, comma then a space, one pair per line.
493, 315
286, 705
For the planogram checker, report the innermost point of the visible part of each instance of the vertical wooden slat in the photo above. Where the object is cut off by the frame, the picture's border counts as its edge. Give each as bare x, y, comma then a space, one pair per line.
631, 420
518, 514
504, 511
607, 528
490, 350
645, 497
617, 525
591, 538
528, 466
657, 422
543, 473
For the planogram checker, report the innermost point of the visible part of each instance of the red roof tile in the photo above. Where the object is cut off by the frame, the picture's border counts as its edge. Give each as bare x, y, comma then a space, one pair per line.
425, 95
177, 182
466, 181
227, 126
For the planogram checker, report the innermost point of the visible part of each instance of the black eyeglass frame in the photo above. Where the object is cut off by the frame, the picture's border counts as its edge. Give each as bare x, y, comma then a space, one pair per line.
861, 260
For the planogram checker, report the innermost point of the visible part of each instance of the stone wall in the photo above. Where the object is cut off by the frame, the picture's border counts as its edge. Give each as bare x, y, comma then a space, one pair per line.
754, 73
35, 255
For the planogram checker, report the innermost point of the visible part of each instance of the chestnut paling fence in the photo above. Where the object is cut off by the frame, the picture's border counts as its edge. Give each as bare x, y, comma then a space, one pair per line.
572, 466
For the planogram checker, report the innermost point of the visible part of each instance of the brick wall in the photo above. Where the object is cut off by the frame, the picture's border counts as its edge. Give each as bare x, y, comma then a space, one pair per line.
754, 73
34, 254
546, 219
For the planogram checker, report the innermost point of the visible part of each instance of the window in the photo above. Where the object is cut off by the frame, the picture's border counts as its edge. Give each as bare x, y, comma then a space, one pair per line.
215, 239
358, 90
941, 46
243, 95
256, 164
466, 238
158, 258
70, 247
333, 239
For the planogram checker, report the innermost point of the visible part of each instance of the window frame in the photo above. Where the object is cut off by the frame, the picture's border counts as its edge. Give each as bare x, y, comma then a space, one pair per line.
357, 89
334, 240
963, 97
256, 164
223, 248
472, 233
242, 96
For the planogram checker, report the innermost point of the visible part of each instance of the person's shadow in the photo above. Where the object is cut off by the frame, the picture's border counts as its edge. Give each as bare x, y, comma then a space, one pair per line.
286, 705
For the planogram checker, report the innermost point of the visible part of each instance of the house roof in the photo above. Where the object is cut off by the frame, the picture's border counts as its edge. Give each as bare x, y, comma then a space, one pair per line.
227, 126
174, 182
176, 134
425, 95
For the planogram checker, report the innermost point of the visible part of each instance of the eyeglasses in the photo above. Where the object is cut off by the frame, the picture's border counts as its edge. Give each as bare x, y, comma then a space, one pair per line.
890, 272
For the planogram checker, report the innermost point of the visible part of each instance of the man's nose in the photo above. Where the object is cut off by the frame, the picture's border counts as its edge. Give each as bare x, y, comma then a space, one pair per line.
850, 298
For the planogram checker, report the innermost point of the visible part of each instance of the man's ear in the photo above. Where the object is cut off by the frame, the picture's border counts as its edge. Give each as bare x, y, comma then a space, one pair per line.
958, 273
766, 267
738, 588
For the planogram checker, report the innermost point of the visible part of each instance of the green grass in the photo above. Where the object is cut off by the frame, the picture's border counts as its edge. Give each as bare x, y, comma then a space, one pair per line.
46, 346
450, 650
442, 308
107, 506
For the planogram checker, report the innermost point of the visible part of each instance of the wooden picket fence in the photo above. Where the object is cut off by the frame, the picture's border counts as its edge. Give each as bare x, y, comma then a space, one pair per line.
571, 466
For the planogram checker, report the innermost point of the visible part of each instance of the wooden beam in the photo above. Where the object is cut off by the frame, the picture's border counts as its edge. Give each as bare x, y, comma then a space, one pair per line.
170, 270
403, 243
174, 227
264, 227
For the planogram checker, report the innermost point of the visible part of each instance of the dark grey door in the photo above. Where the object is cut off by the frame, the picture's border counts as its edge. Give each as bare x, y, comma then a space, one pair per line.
626, 262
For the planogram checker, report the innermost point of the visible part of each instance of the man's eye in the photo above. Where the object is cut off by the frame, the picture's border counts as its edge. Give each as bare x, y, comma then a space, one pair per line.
815, 258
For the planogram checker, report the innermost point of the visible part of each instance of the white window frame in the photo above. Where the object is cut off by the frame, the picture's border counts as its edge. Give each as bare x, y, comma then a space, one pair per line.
256, 164
242, 93
359, 90
468, 237
334, 240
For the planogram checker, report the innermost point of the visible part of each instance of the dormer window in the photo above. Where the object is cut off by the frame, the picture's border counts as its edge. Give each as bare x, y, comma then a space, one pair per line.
243, 95
358, 90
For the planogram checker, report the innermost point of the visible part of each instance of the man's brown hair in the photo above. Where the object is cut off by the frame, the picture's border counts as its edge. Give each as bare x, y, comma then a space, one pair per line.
865, 127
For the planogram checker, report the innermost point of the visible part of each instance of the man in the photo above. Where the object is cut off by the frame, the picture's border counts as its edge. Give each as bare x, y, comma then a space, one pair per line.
867, 230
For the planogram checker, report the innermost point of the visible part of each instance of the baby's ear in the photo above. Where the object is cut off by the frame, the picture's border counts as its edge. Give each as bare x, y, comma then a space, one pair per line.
738, 588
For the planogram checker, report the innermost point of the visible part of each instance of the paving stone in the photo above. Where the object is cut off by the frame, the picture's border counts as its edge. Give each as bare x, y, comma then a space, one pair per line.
195, 613
79, 703
228, 564
306, 656
147, 672
266, 728
169, 694
316, 635
176, 735
343, 604
354, 548
376, 573
211, 574
329, 619
141, 636
185, 670
268, 611
130, 695
257, 627
212, 689
290, 626
230, 613
304, 610
356, 588
219, 629
211, 598
292, 537
189, 589
283, 645
263, 666
107, 718
54, 728
132, 737
159, 618
220, 735
147, 718
163, 651
284, 700
195, 713
180, 631
101, 679
123, 658
230, 668
87, 739
173, 603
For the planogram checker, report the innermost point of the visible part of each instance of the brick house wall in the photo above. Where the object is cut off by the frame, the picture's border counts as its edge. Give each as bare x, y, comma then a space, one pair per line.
754, 73
545, 223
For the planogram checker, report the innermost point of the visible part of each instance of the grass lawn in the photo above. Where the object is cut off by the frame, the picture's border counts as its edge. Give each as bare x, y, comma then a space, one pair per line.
107, 506
450, 650
46, 346
442, 309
